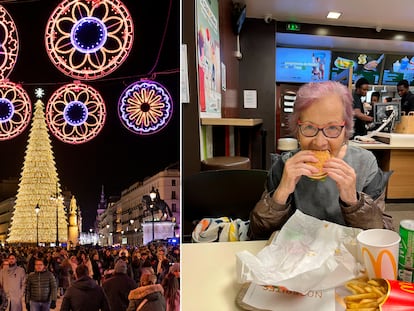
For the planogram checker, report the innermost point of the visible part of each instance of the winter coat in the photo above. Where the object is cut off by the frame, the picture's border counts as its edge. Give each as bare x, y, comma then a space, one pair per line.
154, 295
320, 199
41, 287
85, 295
117, 289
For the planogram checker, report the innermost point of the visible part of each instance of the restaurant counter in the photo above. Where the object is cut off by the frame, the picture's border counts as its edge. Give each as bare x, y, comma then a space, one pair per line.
208, 274
397, 156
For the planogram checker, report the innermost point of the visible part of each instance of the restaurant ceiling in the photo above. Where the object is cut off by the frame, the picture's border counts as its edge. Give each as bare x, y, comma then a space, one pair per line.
376, 14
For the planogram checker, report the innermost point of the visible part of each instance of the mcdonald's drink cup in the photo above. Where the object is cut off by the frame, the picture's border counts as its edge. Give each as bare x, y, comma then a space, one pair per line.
378, 251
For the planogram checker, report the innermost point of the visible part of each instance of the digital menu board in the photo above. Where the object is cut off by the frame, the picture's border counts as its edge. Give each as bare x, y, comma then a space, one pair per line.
397, 68
366, 65
302, 65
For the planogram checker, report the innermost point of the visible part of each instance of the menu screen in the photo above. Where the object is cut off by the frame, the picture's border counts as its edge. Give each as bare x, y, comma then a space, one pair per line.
365, 65
397, 68
302, 65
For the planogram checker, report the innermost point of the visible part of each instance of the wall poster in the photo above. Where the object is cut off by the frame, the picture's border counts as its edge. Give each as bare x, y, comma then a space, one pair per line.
208, 58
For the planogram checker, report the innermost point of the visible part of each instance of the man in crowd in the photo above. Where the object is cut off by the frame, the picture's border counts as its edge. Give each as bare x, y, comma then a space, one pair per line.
12, 279
118, 287
407, 98
41, 288
84, 294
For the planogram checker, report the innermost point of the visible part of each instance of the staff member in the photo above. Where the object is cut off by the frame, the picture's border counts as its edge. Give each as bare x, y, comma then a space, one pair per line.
360, 118
407, 98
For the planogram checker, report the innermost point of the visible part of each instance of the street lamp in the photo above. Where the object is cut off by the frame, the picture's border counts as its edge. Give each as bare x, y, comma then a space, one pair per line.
57, 197
153, 195
37, 210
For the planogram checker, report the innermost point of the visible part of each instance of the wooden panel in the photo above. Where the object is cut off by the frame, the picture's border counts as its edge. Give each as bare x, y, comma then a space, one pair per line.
231, 121
401, 182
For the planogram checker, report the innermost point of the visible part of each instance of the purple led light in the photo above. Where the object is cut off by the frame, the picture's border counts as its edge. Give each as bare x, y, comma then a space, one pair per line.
88, 34
6, 110
75, 113
145, 107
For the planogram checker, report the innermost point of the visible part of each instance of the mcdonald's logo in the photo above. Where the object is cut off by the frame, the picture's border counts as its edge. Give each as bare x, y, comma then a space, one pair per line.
377, 262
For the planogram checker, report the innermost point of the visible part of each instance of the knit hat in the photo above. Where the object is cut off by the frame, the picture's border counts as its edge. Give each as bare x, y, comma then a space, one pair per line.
121, 267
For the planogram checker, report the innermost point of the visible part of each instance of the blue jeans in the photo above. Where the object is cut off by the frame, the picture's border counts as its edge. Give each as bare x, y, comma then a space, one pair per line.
39, 306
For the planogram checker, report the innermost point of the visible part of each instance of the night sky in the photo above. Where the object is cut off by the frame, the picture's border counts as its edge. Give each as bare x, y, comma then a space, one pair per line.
116, 158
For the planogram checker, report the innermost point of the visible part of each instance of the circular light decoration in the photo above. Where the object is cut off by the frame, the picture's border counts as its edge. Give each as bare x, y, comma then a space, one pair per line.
88, 39
15, 110
145, 107
75, 113
9, 43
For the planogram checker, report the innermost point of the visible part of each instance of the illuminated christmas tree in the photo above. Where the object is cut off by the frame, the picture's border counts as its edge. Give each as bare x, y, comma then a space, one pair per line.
39, 185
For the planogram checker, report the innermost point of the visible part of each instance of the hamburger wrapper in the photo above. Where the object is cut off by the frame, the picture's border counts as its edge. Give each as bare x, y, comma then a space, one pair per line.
307, 254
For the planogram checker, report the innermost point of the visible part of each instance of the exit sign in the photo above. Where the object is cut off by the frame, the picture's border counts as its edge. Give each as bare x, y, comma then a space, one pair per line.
293, 27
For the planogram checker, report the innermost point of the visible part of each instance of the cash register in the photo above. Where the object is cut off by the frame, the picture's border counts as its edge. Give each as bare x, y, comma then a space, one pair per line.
386, 115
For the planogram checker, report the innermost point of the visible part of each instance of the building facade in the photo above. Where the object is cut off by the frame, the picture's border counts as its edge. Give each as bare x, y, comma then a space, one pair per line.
123, 221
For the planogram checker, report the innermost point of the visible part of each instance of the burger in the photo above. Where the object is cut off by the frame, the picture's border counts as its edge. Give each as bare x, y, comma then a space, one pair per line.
322, 156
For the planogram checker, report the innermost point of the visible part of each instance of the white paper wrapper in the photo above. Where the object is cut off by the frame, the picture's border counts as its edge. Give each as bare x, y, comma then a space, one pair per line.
307, 254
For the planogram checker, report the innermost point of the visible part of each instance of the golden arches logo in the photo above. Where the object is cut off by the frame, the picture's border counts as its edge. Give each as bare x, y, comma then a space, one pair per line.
376, 262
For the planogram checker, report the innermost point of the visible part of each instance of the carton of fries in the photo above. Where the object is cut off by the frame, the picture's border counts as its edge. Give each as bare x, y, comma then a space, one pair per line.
379, 294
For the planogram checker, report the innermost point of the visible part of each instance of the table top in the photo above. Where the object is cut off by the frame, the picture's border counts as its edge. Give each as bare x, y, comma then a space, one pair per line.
208, 274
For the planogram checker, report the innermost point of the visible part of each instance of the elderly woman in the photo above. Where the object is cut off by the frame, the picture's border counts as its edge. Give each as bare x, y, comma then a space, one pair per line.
351, 194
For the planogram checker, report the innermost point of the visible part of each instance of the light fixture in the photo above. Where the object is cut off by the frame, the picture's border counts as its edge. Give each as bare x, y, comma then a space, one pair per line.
333, 15
153, 194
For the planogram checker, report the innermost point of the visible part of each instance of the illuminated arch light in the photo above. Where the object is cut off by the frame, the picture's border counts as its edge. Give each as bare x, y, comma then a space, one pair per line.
9, 43
88, 39
15, 110
75, 113
145, 107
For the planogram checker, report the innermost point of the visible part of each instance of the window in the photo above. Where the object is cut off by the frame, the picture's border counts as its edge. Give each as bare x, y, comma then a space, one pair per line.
173, 195
173, 183
174, 207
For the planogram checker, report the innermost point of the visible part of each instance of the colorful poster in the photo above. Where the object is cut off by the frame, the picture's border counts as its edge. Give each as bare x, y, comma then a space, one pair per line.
397, 68
364, 65
208, 58
302, 65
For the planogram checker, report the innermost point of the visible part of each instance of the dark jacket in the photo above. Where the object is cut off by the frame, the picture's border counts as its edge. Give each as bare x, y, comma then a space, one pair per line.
117, 289
154, 295
85, 295
41, 286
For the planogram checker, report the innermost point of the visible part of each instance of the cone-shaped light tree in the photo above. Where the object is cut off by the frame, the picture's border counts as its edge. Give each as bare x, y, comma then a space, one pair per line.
39, 185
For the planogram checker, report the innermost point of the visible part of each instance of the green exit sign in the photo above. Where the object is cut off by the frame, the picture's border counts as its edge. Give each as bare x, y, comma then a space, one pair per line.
293, 27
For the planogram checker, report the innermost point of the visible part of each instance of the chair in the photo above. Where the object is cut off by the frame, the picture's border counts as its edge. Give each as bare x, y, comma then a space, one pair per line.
217, 193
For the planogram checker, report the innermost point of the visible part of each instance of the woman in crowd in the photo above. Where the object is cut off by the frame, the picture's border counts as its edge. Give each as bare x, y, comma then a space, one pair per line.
352, 193
149, 296
171, 292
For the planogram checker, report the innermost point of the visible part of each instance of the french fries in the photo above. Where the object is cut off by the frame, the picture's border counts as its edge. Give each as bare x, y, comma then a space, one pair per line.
367, 295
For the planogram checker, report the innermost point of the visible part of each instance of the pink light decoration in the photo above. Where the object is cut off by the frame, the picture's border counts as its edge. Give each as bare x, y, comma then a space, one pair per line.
9, 43
145, 107
88, 39
75, 113
15, 110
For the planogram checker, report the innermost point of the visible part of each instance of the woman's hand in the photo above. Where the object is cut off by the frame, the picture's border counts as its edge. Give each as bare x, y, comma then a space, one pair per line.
295, 167
344, 176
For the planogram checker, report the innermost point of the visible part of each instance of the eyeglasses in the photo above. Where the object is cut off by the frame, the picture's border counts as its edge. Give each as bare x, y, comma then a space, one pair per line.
310, 130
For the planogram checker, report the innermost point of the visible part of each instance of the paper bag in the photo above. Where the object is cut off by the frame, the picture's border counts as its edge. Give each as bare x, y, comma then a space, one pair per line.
307, 254
406, 125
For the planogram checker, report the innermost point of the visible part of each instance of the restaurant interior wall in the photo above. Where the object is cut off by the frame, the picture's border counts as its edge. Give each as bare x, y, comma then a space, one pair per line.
255, 70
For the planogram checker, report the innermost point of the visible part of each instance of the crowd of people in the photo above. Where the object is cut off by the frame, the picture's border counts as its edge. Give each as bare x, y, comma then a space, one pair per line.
91, 278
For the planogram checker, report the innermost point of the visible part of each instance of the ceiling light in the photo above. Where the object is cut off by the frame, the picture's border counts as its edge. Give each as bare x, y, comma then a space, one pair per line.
333, 15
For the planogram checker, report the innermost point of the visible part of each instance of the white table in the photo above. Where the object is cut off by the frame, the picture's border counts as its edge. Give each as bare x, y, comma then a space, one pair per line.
208, 274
